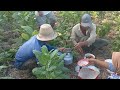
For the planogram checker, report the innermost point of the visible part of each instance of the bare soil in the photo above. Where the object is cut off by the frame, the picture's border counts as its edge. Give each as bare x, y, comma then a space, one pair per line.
100, 54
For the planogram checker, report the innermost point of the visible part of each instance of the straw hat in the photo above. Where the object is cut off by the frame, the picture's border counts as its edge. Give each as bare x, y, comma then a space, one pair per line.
46, 33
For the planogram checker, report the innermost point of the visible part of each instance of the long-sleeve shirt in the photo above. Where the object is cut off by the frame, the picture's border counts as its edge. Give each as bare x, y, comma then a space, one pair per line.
77, 35
44, 12
111, 69
25, 52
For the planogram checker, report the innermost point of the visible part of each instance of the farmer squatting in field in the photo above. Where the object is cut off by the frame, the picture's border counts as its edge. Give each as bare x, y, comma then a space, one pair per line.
84, 36
25, 52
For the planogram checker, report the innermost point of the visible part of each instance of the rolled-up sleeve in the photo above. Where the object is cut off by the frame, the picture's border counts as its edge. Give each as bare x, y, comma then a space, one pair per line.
111, 67
92, 37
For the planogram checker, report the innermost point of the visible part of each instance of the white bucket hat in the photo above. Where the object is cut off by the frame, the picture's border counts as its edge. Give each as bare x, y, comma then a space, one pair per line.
46, 33
86, 20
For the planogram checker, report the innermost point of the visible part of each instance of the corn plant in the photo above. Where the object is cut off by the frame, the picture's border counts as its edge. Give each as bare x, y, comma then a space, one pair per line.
52, 65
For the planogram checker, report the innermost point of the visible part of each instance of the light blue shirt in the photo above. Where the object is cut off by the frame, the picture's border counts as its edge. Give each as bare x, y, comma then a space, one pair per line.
25, 52
111, 67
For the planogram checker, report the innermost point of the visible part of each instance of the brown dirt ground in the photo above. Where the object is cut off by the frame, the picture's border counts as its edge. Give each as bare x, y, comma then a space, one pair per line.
104, 53
100, 54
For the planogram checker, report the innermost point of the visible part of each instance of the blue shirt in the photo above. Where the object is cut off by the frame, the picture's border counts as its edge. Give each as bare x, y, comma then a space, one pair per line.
25, 52
111, 67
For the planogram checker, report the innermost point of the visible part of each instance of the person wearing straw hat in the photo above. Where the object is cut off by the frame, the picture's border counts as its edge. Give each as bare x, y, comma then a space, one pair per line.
84, 35
112, 65
25, 52
43, 17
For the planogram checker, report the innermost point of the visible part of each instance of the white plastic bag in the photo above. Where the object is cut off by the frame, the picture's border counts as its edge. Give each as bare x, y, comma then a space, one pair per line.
89, 72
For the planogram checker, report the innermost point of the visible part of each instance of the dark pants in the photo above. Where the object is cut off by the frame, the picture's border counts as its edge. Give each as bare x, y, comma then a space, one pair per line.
29, 64
98, 44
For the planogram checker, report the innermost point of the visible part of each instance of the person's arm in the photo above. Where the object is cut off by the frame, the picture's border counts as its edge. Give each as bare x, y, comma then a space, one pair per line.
92, 37
99, 63
73, 36
80, 44
50, 47
111, 67
62, 49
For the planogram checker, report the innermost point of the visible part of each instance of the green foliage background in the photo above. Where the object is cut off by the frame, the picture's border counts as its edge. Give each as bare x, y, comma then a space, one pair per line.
16, 27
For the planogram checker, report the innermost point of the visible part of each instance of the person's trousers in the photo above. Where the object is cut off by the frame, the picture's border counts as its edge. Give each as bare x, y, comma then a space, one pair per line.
29, 64
98, 44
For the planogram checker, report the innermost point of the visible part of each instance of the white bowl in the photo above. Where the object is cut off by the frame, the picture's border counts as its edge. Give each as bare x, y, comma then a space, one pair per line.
89, 55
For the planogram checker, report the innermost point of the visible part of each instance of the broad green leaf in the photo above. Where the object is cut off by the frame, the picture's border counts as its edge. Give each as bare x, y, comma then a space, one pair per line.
53, 53
62, 56
37, 54
61, 64
45, 58
58, 72
2, 67
39, 71
15, 15
44, 49
25, 36
53, 75
18, 41
7, 78
65, 69
26, 18
51, 68
27, 29
34, 32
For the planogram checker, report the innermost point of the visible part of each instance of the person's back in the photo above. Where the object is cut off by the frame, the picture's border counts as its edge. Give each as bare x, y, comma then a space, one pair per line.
43, 17
25, 52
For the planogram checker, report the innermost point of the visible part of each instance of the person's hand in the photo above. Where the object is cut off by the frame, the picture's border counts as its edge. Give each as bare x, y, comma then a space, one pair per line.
80, 44
91, 61
62, 49
89, 56
78, 48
